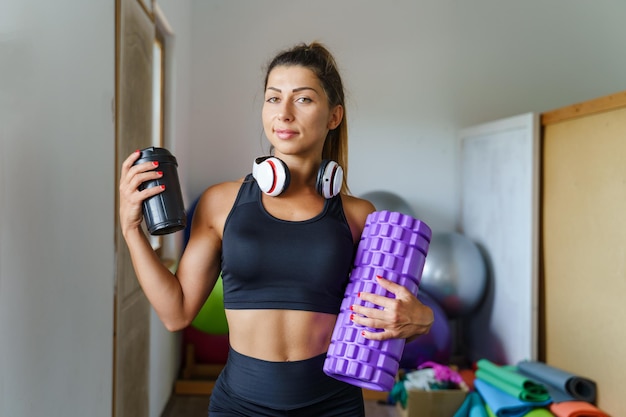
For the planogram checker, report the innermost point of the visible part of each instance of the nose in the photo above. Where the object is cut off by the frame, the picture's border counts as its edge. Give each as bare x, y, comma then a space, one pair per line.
285, 112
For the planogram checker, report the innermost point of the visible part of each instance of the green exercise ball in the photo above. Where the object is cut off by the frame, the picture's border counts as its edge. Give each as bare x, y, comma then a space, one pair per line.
211, 318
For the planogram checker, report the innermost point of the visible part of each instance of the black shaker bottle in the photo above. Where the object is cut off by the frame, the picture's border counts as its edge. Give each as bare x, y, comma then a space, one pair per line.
165, 212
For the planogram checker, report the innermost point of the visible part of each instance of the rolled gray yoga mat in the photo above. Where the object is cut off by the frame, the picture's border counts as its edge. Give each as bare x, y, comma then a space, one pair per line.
577, 387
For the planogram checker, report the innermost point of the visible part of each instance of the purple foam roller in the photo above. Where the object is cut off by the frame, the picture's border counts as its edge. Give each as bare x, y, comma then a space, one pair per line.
394, 246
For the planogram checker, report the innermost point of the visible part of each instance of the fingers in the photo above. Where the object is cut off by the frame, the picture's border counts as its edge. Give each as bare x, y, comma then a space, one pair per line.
384, 335
388, 285
130, 160
385, 321
380, 316
385, 299
135, 175
379, 324
132, 176
399, 315
131, 197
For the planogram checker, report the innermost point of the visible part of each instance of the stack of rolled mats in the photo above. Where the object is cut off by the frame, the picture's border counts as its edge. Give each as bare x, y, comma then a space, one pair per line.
530, 389
572, 395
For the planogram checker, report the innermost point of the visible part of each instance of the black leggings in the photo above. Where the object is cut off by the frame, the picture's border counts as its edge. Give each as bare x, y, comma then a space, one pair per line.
249, 387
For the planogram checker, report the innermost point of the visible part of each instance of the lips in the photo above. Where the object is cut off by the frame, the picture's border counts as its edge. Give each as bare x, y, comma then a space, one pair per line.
285, 133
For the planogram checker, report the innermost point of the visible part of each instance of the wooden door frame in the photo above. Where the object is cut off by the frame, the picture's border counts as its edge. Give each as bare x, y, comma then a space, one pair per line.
147, 8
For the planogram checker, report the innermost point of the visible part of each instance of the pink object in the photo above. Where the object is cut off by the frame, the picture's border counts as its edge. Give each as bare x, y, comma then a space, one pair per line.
443, 373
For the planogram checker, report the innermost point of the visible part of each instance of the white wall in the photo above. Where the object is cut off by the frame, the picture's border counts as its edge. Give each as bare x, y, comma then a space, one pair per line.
415, 71
56, 207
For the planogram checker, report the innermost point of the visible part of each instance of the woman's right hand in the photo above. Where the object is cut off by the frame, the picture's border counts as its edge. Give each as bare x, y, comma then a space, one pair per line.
131, 199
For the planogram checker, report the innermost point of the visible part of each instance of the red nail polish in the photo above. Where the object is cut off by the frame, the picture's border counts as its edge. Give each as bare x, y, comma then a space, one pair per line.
363, 333
160, 172
163, 186
359, 295
155, 163
137, 151
352, 308
351, 317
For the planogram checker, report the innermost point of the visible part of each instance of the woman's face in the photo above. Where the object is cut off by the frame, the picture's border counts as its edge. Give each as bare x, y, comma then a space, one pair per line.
296, 115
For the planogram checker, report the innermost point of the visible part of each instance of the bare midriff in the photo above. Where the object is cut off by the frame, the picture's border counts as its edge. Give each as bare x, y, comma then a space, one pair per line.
280, 335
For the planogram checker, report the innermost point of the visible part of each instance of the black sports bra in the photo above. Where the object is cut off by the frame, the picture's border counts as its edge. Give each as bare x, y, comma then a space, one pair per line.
268, 263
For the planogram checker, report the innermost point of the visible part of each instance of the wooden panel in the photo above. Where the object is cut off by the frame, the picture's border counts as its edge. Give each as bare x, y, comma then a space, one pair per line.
499, 212
586, 108
584, 250
136, 33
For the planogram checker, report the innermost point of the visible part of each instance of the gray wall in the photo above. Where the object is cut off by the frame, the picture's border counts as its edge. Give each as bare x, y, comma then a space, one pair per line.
56, 207
416, 71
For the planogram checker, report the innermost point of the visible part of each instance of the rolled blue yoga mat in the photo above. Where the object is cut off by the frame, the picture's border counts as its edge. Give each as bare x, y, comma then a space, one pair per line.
577, 387
503, 404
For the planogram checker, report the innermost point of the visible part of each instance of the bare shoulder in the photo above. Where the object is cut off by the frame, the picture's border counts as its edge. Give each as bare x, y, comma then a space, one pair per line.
215, 194
356, 211
215, 204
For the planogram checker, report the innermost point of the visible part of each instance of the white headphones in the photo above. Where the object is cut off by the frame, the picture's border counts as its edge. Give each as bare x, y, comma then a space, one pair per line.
273, 176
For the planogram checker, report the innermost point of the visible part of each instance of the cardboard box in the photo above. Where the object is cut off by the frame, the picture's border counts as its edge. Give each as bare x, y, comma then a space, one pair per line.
439, 403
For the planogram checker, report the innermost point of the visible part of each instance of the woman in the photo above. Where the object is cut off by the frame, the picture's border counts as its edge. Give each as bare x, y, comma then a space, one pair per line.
285, 253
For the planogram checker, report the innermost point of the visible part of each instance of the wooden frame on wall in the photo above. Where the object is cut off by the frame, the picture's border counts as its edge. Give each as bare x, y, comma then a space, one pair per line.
148, 7
584, 243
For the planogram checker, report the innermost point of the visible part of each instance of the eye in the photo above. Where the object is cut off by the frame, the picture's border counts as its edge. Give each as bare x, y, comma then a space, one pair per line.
304, 100
271, 100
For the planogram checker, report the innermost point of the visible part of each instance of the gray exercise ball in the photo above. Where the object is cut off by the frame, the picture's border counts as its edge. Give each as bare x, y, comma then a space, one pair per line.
454, 274
385, 200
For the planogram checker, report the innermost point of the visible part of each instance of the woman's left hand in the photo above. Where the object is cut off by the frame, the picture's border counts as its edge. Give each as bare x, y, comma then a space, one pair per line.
401, 317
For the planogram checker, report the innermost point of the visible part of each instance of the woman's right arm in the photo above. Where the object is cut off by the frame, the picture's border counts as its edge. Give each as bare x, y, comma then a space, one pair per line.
175, 298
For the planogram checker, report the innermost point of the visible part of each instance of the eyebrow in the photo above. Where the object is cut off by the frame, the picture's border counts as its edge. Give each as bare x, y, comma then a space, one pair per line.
295, 90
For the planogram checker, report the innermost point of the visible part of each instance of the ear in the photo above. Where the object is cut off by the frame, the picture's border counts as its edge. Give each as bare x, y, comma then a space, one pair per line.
336, 116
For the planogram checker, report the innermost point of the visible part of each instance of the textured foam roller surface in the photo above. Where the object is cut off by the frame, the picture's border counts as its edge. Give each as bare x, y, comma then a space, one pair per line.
394, 246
